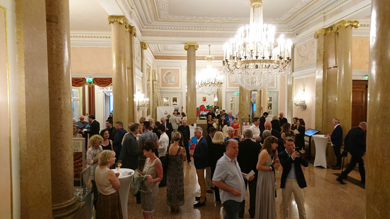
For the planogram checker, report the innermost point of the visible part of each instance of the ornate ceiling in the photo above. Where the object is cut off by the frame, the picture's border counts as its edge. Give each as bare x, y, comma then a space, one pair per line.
166, 25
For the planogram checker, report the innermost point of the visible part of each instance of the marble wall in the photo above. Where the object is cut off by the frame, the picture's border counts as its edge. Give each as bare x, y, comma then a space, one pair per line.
94, 61
360, 52
307, 83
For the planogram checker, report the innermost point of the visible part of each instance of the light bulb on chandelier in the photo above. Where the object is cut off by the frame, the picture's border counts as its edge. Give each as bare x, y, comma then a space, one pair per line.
252, 58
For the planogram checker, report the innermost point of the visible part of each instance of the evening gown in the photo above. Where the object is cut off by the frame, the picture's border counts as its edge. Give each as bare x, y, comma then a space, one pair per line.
236, 127
265, 193
149, 190
175, 179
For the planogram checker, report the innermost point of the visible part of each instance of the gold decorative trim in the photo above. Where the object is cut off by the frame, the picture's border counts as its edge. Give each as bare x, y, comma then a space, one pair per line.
144, 46
323, 32
256, 3
9, 112
345, 23
114, 18
187, 45
131, 29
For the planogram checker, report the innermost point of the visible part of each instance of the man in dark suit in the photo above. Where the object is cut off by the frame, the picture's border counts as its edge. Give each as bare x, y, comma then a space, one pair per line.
247, 159
209, 139
282, 119
292, 180
120, 132
355, 144
337, 140
185, 133
201, 161
94, 126
130, 152
110, 129
262, 121
168, 127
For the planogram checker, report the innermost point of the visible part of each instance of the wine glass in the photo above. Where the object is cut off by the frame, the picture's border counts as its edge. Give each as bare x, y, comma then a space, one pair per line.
119, 164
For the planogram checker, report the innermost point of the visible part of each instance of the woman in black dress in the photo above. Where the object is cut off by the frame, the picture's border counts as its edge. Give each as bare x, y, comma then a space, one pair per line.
300, 137
216, 151
107, 143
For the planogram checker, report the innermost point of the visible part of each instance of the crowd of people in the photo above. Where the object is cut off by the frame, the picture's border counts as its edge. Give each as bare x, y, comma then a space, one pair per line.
225, 162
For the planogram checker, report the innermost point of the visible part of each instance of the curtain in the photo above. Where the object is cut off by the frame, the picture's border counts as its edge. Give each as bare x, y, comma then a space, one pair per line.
102, 82
78, 82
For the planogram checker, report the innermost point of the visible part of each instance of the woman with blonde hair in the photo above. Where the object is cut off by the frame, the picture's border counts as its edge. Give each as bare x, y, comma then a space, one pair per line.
175, 177
93, 152
216, 151
107, 183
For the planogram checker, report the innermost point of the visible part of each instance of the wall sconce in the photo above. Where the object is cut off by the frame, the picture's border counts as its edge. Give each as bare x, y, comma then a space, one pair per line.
299, 101
215, 99
141, 101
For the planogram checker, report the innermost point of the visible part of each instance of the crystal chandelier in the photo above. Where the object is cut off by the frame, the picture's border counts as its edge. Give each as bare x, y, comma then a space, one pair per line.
252, 58
208, 80
141, 101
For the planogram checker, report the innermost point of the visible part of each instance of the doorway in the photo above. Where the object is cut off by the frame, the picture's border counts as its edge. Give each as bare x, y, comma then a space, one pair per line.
359, 102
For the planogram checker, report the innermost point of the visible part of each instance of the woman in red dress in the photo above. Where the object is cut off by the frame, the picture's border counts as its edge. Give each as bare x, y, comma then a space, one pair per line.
236, 126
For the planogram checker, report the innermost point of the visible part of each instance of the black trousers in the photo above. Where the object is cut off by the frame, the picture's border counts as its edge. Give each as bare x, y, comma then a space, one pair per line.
252, 198
164, 180
95, 193
338, 155
187, 151
354, 160
217, 197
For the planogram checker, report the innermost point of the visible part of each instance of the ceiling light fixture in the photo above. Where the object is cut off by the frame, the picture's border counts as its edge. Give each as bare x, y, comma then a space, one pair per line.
252, 58
209, 80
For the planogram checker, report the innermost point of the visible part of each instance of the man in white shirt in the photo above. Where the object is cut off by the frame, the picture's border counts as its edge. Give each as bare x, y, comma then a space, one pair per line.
174, 121
255, 130
162, 150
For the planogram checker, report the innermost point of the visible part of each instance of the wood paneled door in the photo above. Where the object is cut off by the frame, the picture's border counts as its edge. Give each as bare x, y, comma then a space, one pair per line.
359, 102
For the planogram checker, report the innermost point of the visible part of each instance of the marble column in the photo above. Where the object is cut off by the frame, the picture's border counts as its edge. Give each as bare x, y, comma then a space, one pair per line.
344, 74
290, 99
191, 82
219, 96
35, 195
244, 105
264, 100
64, 201
320, 71
156, 94
378, 163
130, 59
119, 70
144, 75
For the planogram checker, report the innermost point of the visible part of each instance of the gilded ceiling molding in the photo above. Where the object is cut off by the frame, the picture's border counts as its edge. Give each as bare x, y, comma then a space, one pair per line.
131, 29
346, 23
115, 18
187, 45
144, 46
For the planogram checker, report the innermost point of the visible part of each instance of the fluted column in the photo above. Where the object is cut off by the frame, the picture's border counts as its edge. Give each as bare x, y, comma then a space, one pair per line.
34, 178
219, 96
378, 163
132, 108
344, 74
119, 71
58, 49
244, 105
191, 82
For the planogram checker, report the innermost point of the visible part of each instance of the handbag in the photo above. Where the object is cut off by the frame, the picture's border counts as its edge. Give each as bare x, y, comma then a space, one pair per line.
135, 182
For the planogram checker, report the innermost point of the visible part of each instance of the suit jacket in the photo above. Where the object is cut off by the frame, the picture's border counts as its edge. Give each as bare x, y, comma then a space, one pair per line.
185, 131
130, 152
287, 161
209, 143
337, 136
248, 155
355, 142
94, 128
282, 121
262, 121
201, 154
112, 132
276, 125
118, 141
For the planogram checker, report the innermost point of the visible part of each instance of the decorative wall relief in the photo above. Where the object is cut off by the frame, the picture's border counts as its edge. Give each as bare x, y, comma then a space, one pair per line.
137, 53
305, 54
170, 77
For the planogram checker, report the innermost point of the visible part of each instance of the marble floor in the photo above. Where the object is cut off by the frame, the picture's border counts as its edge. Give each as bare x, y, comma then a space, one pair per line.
324, 198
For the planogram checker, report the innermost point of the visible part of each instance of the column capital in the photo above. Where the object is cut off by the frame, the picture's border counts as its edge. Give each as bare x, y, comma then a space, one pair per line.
323, 32
131, 29
144, 46
114, 18
345, 23
187, 45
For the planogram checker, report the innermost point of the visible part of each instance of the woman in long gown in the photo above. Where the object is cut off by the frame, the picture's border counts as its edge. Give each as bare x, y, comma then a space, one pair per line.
236, 126
300, 137
175, 176
265, 190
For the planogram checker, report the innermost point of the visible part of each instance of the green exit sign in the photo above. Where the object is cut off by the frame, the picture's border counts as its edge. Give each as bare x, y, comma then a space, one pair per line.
89, 80
237, 93
366, 77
